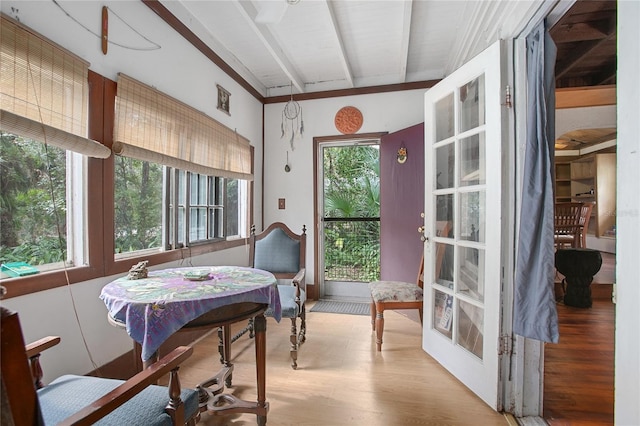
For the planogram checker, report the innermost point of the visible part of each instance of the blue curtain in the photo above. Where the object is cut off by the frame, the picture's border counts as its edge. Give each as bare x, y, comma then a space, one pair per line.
535, 314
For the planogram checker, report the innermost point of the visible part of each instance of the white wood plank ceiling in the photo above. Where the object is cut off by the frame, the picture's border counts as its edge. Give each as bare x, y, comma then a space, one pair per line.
320, 45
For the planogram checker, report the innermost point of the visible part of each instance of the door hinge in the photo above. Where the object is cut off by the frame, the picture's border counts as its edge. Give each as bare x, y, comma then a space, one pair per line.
505, 344
507, 97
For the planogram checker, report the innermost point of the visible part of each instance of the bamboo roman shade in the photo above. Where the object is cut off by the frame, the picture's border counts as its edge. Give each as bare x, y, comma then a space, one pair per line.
44, 91
153, 126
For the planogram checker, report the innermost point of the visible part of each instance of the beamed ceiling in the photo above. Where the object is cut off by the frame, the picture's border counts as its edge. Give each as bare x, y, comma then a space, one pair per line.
313, 48
586, 41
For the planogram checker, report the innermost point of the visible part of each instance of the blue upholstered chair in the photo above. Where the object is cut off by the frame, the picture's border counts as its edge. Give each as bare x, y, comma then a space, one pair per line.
280, 251
84, 400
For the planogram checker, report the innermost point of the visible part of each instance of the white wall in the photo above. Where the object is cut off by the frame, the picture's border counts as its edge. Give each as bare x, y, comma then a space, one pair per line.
627, 353
385, 112
177, 69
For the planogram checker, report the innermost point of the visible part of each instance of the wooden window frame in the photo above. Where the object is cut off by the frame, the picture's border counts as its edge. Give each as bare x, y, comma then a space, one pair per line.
100, 212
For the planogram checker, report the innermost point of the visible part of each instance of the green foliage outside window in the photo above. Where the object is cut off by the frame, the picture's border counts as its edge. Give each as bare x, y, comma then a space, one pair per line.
352, 190
32, 201
138, 205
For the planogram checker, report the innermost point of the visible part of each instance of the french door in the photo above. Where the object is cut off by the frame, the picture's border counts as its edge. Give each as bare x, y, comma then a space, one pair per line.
464, 220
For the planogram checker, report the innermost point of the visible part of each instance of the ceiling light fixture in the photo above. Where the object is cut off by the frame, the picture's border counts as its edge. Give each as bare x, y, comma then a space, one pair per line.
272, 12
293, 112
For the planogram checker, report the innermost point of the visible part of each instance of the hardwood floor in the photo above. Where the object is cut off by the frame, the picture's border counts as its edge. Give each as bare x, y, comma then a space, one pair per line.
579, 370
341, 379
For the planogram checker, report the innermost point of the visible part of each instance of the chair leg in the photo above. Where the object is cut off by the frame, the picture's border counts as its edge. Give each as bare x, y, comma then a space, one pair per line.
420, 313
294, 344
220, 345
379, 326
373, 316
303, 325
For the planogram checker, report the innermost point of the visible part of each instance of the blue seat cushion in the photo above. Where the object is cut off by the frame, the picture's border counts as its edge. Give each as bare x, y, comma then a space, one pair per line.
68, 394
288, 301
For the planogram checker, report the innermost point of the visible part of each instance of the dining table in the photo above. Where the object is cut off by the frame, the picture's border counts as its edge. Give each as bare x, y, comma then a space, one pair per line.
153, 307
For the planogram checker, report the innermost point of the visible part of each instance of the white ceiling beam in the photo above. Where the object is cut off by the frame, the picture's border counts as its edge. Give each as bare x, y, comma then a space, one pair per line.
270, 42
404, 46
342, 54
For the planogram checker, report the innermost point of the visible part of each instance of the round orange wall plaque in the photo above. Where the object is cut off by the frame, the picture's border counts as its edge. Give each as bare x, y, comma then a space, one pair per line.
348, 120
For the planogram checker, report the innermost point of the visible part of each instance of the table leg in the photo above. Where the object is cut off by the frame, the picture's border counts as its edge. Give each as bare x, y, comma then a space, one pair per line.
137, 358
260, 327
217, 403
226, 349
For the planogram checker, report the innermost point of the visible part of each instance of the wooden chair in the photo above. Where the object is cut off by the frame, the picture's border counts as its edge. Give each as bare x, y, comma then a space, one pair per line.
402, 295
84, 400
394, 295
280, 251
571, 221
585, 216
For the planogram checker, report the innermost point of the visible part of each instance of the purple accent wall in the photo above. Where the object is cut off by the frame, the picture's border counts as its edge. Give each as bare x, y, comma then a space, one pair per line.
401, 202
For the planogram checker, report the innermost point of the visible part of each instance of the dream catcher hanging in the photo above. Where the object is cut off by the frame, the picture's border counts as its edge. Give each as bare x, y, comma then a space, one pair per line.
292, 123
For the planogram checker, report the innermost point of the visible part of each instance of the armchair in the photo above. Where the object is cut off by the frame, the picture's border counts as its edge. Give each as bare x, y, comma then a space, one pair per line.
84, 400
282, 252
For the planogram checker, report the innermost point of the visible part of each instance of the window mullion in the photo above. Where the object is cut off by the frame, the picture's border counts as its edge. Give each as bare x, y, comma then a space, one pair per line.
187, 210
176, 208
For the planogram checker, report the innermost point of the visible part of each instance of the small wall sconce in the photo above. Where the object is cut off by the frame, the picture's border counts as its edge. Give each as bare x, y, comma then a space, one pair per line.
402, 154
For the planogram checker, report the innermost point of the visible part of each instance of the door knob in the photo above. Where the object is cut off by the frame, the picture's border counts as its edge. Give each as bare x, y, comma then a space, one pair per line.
423, 238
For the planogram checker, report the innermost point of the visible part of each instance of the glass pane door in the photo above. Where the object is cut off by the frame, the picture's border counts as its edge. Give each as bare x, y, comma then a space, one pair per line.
462, 201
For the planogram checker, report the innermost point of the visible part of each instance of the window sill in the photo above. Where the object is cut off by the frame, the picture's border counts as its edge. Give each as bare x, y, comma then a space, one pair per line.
46, 280
21, 286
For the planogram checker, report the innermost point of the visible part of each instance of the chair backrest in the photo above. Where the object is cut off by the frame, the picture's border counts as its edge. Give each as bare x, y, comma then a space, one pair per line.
572, 219
567, 214
278, 250
18, 388
585, 214
443, 228
420, 279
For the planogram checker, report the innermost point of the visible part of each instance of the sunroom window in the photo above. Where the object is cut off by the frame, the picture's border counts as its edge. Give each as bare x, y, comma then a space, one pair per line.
37, 185
161, 208
209, 208
205, 168
138, 205
43, 125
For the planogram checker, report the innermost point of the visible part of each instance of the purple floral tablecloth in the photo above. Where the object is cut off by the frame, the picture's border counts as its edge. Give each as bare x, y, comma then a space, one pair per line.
155, 307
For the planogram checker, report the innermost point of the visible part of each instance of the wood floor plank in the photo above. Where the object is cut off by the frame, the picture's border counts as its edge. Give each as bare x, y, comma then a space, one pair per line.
578, 380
